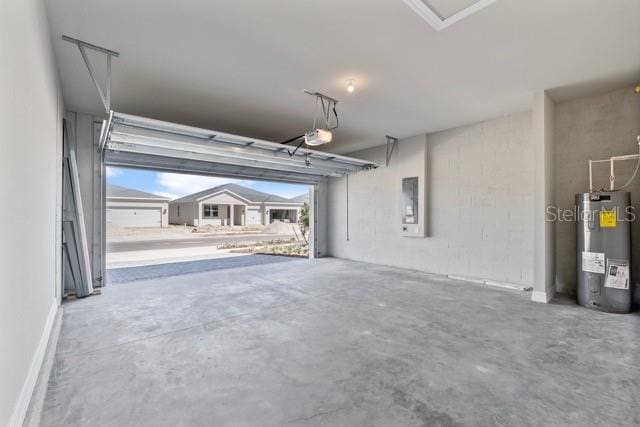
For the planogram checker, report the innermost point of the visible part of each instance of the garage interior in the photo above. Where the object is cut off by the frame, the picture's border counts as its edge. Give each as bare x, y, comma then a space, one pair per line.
450, 148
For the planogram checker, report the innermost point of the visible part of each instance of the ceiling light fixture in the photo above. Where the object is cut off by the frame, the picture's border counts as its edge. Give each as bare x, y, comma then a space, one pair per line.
350, 86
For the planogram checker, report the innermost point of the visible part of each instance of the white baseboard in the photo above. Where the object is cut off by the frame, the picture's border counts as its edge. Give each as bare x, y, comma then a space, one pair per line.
542, 296
507, 285
21, 406
36, 404
465, 279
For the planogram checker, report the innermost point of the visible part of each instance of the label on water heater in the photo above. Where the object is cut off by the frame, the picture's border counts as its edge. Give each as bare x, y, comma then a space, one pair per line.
593, 262
608, 219
617, 274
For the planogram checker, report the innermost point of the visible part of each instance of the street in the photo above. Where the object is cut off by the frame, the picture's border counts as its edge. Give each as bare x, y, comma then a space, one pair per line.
191, 242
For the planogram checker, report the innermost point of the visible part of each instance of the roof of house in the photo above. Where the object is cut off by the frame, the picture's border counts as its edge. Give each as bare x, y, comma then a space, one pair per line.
249, 194
115, 191
303, 198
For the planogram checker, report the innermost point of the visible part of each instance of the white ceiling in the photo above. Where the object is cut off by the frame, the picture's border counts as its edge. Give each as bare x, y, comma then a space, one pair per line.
240, 66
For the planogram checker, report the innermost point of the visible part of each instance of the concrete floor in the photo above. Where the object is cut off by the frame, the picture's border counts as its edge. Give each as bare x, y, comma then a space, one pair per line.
332, 342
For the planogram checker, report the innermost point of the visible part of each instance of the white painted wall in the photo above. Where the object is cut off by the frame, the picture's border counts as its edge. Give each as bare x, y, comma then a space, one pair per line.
30, 121
188, 213
254, 215
594, 127
544, 231
212, 221
479, 204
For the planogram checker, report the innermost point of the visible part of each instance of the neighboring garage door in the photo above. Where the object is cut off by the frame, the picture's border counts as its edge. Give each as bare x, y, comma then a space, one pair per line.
134, 217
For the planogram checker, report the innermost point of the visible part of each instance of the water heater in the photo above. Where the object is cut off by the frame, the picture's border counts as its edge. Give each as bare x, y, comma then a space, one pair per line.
603, 233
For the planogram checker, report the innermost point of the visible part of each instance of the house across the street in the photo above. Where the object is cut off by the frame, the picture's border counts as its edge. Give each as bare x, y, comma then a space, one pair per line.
233, 204
127, 207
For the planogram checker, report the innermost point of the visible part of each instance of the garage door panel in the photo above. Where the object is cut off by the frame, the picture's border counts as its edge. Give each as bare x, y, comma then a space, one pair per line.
134, 217
133, 141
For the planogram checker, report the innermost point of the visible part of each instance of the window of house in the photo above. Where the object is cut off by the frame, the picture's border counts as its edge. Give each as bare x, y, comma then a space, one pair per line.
178, 210
210, 211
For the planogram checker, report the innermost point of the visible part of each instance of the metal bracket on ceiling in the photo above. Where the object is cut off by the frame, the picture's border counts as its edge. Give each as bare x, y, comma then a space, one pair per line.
391, 146
105, 96
328, 106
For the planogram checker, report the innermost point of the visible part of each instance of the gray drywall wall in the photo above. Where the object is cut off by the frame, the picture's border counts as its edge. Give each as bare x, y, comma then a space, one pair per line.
30, 121
595, 127
479, 203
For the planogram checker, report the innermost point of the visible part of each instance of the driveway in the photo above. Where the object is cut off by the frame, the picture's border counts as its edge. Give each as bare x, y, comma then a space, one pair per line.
131, 274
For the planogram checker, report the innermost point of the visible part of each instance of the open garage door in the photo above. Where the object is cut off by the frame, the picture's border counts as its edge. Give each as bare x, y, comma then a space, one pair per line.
132, 141
137, 142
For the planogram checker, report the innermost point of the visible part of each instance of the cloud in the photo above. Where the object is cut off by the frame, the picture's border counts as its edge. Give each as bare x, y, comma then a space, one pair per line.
178, 185
111, 172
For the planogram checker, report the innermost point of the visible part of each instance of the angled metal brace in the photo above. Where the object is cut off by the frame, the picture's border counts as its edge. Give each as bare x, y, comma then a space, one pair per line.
105, 96
391, 145
328, 106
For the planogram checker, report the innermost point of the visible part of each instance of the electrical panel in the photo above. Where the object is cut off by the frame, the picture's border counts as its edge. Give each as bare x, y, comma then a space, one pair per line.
412, 226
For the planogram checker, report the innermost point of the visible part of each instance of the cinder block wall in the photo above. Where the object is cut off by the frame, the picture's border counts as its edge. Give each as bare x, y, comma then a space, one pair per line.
480, 204
594, 127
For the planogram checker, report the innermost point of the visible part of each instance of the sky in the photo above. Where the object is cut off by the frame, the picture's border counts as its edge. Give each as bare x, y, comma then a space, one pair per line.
174, 185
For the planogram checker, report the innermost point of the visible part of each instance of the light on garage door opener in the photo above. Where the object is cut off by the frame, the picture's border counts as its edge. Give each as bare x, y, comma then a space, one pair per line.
317, 137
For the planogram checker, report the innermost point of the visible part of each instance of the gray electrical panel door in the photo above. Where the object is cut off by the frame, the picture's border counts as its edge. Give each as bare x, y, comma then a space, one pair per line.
603, 233
410, 200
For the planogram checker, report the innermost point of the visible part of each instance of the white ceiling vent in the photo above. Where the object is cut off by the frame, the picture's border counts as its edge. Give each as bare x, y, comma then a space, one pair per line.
442, 13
